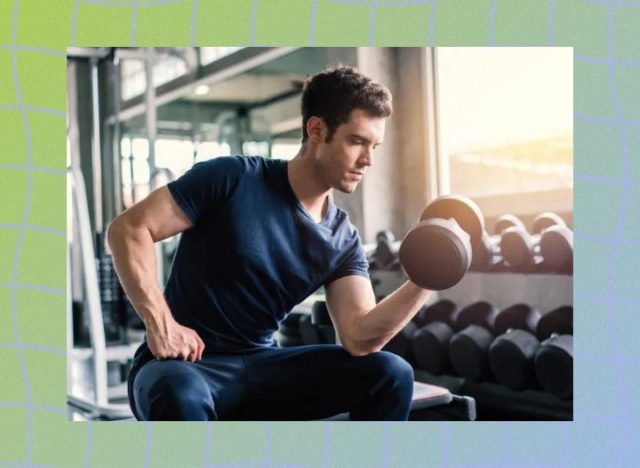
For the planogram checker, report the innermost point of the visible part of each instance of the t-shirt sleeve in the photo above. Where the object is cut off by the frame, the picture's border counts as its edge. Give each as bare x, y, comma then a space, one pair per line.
355, 262
206, 185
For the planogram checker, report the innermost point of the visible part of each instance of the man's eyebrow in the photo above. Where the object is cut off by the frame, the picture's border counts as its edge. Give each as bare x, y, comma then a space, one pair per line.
355, 135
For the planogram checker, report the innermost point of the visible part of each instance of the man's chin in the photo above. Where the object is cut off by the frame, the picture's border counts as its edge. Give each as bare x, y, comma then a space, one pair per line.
347, 187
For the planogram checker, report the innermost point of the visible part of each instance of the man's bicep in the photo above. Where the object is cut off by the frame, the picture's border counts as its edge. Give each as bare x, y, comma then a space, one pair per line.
159, 213
348, 298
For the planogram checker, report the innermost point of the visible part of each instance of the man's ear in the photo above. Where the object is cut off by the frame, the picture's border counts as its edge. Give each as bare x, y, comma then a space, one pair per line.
316, 129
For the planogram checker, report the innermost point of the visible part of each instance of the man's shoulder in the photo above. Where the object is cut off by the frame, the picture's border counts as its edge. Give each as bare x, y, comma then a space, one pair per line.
343, 223
240, 165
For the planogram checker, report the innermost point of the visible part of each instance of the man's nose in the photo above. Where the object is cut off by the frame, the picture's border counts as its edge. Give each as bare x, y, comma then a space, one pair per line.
366, 159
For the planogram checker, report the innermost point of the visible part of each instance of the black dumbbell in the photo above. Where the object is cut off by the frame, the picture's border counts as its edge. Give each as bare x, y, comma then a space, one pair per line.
400, 344
438, 251
520, 328
486, 254
545, 220
506, 221
511, 358
554, 365
430, 343
442, 311
289, 331
558, 321
512, 352
556, 249
521, 250
386, 254
517, 316
290, 326
321, 319
386, 235
468, 349
309, 333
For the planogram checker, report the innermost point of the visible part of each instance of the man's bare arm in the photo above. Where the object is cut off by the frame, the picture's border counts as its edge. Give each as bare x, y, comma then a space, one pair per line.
363, 326
131, 237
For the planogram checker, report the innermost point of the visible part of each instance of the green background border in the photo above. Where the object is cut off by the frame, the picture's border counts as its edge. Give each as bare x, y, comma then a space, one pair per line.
33, 38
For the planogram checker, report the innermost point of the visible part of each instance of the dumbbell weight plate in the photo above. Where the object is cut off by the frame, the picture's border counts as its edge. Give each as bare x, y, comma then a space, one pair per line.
478, 313
464, 210
387, 252
442, 311
385, 235
430, 345
506, 221
546, 220
400, 344
511, 359
482, 252
554, 365
558, 321
556, 247
309, 333
468, 352
519, 316
446, 259
287, 341
516, 247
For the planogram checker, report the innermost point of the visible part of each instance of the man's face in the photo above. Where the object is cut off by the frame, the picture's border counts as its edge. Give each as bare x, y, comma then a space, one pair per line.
343, 161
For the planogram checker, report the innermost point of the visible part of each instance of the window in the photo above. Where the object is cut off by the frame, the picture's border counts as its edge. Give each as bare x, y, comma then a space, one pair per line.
506, 125
285, 149
134, 79
211, 54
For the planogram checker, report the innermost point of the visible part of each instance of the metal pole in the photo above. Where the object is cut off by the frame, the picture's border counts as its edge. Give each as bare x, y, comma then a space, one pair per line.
95, 156
151, 117
117, 156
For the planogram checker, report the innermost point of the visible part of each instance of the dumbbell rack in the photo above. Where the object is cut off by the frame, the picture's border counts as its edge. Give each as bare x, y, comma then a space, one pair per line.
542, 291
497, 402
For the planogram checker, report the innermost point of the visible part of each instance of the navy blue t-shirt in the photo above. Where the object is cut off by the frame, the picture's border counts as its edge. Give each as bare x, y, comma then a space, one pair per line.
253, 252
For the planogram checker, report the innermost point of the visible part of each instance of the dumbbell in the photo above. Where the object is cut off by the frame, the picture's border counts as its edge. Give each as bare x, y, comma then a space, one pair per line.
521, 327
558, 321
386, 254
442, 311
400, 344
554, 365
309, 333
321, 319
512, 352
289, 330
385, 235
486, 254
521, 250
556, 248
468, 349
430, 343
438, 251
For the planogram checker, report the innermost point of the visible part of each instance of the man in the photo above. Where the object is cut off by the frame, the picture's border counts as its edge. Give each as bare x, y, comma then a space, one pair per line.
259, 236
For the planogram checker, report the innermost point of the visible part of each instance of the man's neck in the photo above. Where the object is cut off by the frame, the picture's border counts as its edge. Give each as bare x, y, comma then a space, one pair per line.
309, 190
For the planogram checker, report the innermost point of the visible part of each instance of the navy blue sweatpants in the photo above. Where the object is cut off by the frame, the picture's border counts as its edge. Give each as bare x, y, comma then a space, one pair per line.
298, 383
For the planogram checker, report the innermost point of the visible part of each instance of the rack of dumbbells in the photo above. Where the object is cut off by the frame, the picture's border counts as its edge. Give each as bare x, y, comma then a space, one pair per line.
504, 334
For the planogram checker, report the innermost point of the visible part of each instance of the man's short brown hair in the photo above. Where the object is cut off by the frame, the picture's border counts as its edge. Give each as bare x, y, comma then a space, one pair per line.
332, 95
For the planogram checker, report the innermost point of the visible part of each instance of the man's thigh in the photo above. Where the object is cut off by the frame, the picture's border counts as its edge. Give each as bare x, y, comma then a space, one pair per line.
222, 376
305, 382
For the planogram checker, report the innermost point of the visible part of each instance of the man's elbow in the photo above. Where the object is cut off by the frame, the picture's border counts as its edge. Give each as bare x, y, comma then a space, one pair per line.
357, 349
114, 230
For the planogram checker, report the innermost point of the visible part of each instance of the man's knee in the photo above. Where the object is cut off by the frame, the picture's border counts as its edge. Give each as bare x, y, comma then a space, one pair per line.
174, 391
393, 367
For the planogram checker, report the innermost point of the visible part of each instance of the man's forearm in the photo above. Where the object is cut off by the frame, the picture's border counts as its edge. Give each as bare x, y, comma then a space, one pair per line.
374, 329
134, 258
